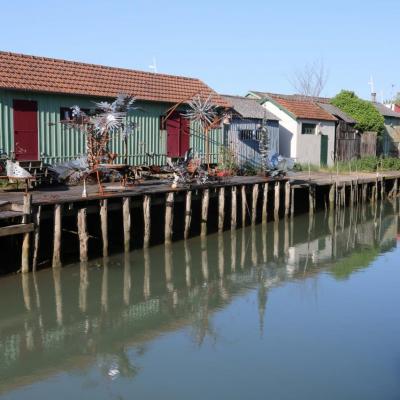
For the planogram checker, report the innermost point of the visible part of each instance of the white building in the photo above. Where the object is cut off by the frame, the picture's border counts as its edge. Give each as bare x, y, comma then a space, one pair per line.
306, 130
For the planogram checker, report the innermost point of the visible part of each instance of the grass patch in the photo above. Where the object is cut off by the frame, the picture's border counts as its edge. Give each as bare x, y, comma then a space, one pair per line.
365, 164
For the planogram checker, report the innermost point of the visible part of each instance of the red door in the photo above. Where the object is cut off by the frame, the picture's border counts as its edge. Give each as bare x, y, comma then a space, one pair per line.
25, 130
178, 135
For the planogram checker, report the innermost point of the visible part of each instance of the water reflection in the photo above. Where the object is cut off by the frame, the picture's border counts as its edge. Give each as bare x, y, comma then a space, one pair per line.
70, 317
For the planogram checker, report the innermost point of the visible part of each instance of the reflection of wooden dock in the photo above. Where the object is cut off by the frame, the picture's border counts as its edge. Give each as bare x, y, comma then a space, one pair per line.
247, 199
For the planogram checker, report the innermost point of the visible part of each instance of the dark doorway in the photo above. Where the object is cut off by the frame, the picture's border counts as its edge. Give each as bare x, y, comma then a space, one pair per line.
178, 135
25, 130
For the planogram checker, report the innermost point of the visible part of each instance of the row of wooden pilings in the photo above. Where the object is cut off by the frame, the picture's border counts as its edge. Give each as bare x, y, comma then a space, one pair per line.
336, 198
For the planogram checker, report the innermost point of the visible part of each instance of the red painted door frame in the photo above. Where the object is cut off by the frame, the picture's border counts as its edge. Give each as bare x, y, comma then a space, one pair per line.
26, 141
178, 135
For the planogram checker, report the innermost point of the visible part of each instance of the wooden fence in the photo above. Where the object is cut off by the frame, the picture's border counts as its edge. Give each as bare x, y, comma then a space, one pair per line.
350, 144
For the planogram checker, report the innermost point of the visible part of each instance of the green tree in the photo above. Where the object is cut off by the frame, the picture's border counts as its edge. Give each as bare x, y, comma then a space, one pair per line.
367, 116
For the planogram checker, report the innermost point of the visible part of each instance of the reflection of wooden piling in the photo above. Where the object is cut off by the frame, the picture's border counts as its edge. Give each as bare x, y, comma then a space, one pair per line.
277, 200
264, 242
146, 220
83, 286
27, 209
204, 258
265, 203
188, 265
254, 204
204, 211
254, 254
36, 237
104, 286
147, 274
57, 237
233, 250
364, 192
169, 267
127, 278
244, 205
221, 209
26, 291
104, 225
276, 239
221, 258
169, 215
243, 249
126, 220
83, 234
287, 198
332, 196
188, 213
233, 207
58, 295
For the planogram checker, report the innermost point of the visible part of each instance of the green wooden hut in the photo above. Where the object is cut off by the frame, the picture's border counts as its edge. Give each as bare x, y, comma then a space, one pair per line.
36, 93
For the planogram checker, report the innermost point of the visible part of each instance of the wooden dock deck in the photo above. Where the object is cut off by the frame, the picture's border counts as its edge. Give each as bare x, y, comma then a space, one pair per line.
234, 201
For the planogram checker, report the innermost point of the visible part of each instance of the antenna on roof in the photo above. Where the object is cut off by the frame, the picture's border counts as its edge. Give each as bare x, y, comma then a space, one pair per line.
373, 93
153, 66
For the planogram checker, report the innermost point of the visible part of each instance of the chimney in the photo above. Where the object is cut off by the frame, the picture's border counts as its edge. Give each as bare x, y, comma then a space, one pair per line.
373, 97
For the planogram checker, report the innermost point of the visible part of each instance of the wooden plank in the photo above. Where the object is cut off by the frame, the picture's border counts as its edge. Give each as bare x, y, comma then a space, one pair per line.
16, 229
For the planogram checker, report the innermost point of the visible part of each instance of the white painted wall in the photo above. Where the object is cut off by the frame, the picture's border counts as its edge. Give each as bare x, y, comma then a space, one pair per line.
309, 146
303, 148
287, 130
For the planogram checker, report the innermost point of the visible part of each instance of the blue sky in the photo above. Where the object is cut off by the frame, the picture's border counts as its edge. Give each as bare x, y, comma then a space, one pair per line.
233, 46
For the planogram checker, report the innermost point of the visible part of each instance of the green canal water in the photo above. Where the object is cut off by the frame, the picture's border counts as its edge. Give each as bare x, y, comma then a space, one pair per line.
302, 309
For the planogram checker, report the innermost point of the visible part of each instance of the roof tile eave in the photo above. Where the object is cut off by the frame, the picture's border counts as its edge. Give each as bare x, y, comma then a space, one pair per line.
32, 73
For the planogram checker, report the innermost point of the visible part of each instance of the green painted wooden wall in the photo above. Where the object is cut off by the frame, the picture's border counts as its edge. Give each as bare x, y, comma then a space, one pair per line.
58, 143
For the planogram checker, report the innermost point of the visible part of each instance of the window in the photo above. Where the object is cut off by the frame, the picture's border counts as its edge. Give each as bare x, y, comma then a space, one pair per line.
246, 134
308, 129
66, 113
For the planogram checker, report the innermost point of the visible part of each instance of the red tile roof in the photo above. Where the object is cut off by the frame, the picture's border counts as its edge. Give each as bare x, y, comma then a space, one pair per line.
40, 74
303, 109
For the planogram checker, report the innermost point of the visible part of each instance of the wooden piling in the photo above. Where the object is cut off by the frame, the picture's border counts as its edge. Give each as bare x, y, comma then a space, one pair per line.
36, 237
254, 204
169, 216
221, 209
126, 220
104, 225
311, 199
287, 198
204, 211
188, 213
147, 220
83, 234
265, 203
57, 237
27, 209
233, 207
277, 200
383, 186
244, 205
292, 189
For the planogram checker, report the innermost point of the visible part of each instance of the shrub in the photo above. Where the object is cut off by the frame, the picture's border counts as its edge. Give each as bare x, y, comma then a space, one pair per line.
367, 116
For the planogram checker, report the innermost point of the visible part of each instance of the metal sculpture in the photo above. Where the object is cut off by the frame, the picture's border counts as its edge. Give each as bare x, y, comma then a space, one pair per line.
110, 118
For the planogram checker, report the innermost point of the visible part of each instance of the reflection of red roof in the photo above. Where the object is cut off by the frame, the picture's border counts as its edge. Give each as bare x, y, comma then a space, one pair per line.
40, 74
304, 109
